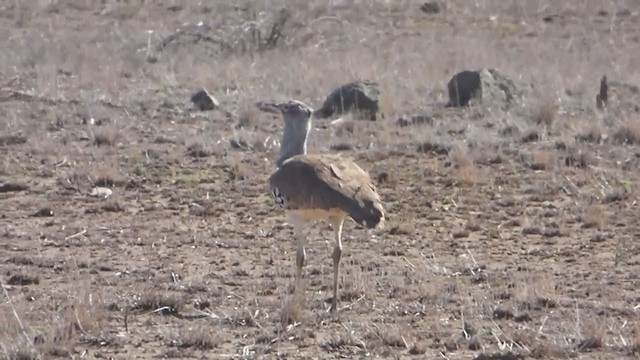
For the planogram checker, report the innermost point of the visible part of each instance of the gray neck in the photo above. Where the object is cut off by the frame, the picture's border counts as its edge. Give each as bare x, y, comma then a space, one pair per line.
294, 140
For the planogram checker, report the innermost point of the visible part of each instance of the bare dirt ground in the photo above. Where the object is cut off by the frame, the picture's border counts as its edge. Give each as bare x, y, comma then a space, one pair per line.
512, 232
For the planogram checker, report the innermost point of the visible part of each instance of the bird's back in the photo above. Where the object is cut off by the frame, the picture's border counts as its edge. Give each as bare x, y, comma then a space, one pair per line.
328, 182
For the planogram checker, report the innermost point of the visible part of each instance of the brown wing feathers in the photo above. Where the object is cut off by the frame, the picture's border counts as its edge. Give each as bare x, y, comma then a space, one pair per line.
327, 182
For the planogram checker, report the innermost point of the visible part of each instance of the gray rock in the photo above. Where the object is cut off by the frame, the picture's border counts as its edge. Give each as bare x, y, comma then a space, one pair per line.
430, 7
485, 85
203, 101
359, 97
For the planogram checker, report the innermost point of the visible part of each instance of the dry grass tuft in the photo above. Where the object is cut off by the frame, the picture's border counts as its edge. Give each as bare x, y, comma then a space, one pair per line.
594, 216
106, 175
199, 149
292, 309
198, 337
592, 133
113, 205
433, 147
635, 341
78, 317
157, 301
582, 160
594, 337
354, 286
542, 160
105, 136
248, 118
531, 135
468, 175
403, 228
546, 112
466, 171
388, 336
347, 343
628, 133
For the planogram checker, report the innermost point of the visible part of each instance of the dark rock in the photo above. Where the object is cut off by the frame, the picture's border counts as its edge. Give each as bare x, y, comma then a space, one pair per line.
360, 97
12, 187
430, 7
44, 212
203, 101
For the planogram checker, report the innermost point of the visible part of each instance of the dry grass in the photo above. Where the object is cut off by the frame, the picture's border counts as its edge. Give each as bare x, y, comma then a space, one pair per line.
628, 132
594, 217
510, 229
546, 112
106, 136
542, 160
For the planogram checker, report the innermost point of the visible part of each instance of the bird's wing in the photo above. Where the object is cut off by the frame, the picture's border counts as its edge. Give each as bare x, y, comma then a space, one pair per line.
323, 181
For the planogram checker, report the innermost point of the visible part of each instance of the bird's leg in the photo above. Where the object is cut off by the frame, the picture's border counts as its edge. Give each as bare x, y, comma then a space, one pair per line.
336, 224
300, 254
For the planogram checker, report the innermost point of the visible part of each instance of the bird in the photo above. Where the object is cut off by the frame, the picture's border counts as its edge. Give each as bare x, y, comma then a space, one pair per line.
320, 187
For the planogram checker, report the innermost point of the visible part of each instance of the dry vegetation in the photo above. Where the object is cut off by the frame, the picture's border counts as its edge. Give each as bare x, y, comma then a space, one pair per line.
132, 225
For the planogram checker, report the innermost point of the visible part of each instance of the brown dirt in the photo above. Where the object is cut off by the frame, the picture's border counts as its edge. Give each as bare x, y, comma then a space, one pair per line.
512, 233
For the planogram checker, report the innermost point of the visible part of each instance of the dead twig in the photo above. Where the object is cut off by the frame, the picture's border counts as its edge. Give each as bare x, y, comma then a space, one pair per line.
75, 235
15, 313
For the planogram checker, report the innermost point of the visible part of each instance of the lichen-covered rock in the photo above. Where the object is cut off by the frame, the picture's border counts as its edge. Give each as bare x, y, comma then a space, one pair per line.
486, 85
359, 97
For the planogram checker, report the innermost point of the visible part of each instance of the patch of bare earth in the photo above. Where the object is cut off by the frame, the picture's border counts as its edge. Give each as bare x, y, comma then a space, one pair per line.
132, 225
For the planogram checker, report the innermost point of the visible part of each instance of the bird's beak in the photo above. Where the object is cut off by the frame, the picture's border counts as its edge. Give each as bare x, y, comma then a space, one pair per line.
269, 107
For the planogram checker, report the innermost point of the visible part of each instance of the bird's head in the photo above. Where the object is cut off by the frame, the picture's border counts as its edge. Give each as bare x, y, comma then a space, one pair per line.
295, 110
